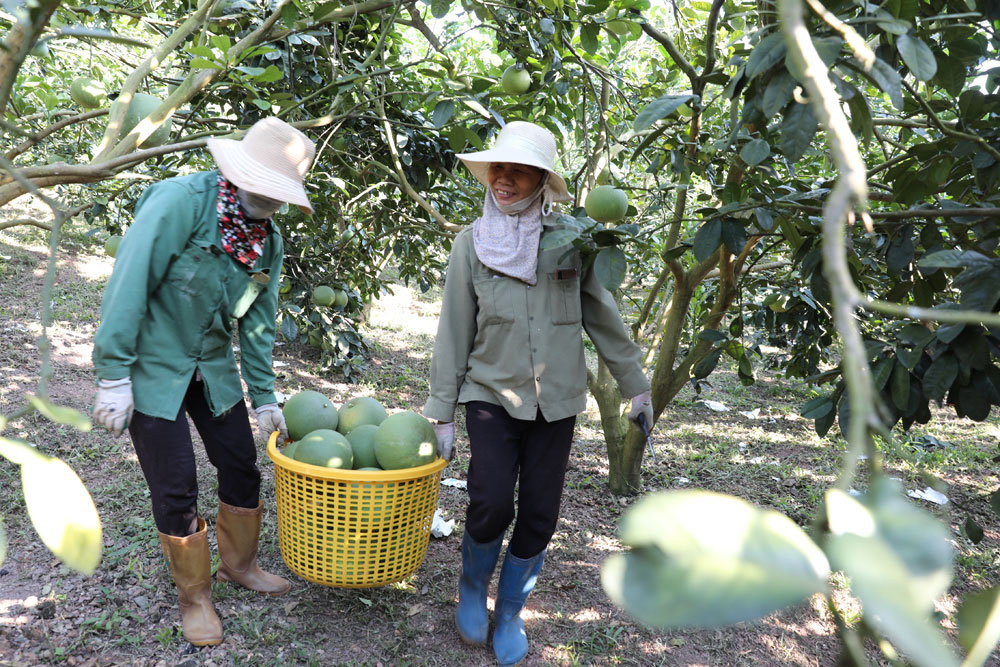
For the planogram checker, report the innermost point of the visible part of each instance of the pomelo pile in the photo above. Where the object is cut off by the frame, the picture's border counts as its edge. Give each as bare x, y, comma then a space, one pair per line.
358, 436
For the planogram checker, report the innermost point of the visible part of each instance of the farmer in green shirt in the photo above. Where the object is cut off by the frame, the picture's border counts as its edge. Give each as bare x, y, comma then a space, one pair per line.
510, 347
202, 254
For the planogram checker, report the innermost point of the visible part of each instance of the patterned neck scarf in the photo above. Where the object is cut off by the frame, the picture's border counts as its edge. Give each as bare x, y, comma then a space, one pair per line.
242, 239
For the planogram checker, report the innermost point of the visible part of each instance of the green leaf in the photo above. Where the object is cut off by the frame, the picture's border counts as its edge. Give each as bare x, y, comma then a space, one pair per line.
818, 407
657, 109
202, 63
978, 619
708, 239
712, 335
439, 8
705, 367
972, 530
558, 238
778, 94
764, 217
221, 42
861, 117
62, 512
940, 375
609, 268
271, 74
898, 559
260, 103
754, 152
917, 56
589, 37
889, 81
995, 502
704, 559
733, 235
60, 414
900, 386
768, 53
442, 113
797, 131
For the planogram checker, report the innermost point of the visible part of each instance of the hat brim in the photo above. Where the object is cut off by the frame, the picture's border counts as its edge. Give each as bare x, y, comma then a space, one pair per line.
249, 174
479, 164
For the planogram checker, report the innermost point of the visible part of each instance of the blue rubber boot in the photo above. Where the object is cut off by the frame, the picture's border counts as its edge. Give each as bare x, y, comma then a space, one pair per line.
478, 561
517, 579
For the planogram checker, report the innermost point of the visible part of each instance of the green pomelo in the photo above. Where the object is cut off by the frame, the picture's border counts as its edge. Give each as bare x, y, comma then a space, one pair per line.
111, 245
289, 450
324, 295
362, 439
285, 285
606, 203
88, 93
515, 81
141, 106
340, 300
360, 410
405, 440
308, 411
326, 448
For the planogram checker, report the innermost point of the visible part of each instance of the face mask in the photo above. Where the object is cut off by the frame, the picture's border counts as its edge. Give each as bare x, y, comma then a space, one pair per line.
257, 207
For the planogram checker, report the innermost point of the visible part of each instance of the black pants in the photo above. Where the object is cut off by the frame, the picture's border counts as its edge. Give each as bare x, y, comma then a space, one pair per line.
166, 454
507, 451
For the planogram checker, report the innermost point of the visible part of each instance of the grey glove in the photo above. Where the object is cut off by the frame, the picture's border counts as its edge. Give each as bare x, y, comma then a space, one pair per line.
642, 405
113, 404
446, 439
271, 419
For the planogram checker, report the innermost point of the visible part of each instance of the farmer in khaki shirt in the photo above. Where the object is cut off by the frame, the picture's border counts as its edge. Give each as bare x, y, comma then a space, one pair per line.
510, 347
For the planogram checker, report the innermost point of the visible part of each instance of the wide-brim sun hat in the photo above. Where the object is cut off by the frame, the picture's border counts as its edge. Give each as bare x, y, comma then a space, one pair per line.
271, 160
520, 142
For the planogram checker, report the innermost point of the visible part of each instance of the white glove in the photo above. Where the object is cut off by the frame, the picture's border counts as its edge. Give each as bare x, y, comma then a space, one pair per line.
271, 419
446, 439
642, 405
113, 404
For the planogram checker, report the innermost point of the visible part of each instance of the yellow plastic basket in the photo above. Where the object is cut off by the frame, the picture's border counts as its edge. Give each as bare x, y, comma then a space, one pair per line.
351, 528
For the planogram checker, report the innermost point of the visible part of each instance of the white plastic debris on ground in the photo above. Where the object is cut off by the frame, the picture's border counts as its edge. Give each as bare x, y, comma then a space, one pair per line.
751, 414
715, 406
440, 527
929, 494
457, 483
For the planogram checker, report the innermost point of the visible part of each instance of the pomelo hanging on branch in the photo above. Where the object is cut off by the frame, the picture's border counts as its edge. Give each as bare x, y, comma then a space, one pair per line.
139, 107
516, 80
88, 93
606, 203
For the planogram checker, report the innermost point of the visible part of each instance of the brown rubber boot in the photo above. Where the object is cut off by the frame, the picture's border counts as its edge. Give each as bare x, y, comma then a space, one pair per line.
238, 530
191, 566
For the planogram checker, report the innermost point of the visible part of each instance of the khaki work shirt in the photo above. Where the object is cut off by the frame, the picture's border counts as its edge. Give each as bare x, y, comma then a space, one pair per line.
520, 346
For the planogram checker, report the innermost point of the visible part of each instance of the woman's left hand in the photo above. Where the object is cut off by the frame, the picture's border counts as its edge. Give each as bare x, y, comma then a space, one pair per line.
271, 419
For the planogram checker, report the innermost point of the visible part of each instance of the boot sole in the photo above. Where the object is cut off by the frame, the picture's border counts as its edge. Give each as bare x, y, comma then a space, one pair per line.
222, 577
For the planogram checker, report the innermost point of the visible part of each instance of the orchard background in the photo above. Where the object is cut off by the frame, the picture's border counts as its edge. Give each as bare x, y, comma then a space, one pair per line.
747, 135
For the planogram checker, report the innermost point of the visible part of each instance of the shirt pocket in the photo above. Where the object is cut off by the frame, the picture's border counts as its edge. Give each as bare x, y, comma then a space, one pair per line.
495, 303
189, 273
564, 295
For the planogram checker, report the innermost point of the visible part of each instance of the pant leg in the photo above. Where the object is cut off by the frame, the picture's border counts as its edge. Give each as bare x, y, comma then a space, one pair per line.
544, 457
166, 456
494, 445
230, 447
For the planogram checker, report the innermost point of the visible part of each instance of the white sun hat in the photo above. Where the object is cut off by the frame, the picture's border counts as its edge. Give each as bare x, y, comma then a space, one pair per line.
521, 142
271, 161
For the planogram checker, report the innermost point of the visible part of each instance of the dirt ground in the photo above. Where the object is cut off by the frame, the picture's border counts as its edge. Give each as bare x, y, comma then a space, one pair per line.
125, 614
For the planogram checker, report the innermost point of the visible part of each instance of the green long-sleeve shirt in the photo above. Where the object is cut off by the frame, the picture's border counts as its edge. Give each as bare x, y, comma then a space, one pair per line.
505, 342
169, 306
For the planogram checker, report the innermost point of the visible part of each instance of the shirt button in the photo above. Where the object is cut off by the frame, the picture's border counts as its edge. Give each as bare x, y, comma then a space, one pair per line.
531, 318
534, 349
538, 379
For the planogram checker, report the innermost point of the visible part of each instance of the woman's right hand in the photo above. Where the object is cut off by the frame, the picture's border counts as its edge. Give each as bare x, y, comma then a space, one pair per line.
446, 439
113, 404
